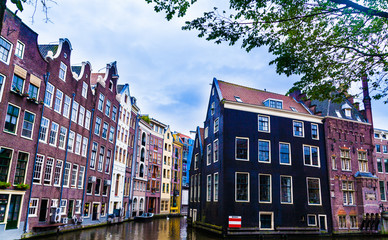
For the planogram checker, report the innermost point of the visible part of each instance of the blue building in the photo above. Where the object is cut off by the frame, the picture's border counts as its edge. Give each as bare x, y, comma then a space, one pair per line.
260, 167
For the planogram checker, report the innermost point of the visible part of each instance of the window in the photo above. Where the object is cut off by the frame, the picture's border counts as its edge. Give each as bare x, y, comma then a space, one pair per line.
386, 165
266, 220
84, 146
66, 174
5, 160
43, 129
345, 160
77, 208
238, 99
209, 188
264, 151
11, 119
78, 140
58, 101
353, 222
285, 153
62, 138
104, 130
97, 126
28, 124
100, 102
314, 131
21, 166
215, 197
311, 156
48, 100
63, 206
273, 103
215, 149
385, 150
338, 114
74, 173
362, 161
114, 113
311, 220
379, 165
333, 163
17, 84
107, 108
382, 191
84, 90
71, 141
348, 192
74, 112
62, 71
86, 210
38, 169
48, 171
348, 112
196, 161
298, 129
19, 51
378, 148
265, 188
263, 123
93, 156
33, 206
57, 173
98, 186
209, 154
1, 85
66, 106
5, 48
33, 91
242, 187
242, 149
293, 109
212, 108
286, 189
81, 116
216, 125
314, 191
81, 177
87, 119
107, 161
53, 134
101, 158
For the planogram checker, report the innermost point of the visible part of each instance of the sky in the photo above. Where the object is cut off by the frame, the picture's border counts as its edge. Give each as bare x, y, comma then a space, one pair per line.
169, 70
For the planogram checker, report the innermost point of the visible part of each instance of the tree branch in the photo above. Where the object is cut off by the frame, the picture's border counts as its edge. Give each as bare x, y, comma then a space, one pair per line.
363, 9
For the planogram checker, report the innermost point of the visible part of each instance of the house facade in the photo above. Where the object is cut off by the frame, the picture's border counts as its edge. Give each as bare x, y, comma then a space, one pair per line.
176, 176
257, 147
380, 140
166, 175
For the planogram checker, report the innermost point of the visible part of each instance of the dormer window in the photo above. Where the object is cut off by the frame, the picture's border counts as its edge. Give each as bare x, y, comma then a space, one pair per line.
348, 113
294, 109
273, 103
238, 99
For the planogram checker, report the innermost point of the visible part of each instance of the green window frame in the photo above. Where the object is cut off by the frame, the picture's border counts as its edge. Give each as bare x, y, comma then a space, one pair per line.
21, 166
11, 119
5, 160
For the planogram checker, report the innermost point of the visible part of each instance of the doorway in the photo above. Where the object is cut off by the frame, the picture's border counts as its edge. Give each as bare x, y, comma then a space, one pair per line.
70, 210
13, 212
43, 210
95, 211
322, 223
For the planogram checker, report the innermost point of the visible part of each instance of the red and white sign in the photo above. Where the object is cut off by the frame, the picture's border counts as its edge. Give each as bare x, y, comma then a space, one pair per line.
235, 221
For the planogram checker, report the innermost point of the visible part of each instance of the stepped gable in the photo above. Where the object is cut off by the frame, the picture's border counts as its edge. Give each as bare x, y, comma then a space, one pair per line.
257, 97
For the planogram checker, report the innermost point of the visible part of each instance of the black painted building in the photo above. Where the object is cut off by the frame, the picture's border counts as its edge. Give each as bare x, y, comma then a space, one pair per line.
261, 161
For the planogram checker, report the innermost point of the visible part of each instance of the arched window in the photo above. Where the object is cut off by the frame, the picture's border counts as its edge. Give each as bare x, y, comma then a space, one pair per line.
142, 155
141, 204
143, 139
134, 204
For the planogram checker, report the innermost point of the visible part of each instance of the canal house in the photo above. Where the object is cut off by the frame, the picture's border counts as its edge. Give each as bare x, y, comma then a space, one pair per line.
263, 167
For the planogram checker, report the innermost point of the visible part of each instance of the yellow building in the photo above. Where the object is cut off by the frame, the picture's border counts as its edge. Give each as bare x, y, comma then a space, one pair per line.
166, 173
176, 176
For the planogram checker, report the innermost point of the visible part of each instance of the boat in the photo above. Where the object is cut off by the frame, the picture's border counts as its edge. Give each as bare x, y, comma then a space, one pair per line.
144, 217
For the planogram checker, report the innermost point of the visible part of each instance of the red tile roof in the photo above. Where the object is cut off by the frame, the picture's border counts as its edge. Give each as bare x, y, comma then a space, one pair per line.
256, 97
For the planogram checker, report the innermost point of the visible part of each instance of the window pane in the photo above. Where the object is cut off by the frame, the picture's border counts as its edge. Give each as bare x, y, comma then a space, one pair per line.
242, 187
241, 148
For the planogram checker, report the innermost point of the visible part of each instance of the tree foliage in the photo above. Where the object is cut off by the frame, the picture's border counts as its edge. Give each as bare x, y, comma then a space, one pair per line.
329, 43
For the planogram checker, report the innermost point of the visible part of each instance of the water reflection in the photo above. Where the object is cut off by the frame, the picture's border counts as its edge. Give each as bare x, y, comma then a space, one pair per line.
162, 229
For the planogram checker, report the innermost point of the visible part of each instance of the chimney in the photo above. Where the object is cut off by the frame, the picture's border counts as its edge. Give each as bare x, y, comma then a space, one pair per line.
367, 100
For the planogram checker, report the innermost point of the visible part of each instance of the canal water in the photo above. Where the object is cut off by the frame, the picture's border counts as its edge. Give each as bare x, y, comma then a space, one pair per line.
160, 229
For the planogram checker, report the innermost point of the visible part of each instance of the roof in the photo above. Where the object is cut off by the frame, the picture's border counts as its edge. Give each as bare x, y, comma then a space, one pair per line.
257, 97
332, 109
120, 87
45, 48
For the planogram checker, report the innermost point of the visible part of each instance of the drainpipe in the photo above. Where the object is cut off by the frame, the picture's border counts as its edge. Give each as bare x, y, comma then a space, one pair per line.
133, 170
113, 157
46, 78
67, 149
87, 162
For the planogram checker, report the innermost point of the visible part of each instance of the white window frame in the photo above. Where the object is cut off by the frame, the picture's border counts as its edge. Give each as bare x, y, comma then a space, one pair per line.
67, 173
208, 153
216, 188
270, 188
2, 86
315, 220
33, 211
62, 71
209, 191
38, 169
84, 90
216, 156
84, 146
235, 149
42, 130
206, 132
78, 143
269, 123
9, 52
272, 220
58, 164
58, 104
81, 175
101, 100
311, 157
74, 176
33, 124
50, 89
19, 52
216, 125
67, 109
108, 107
55, 137
74, 111
48, 171
235, 187
293, 128
81, 116
62, 144
63, 206
87, 119
320, 192
291, 192
314, 124
71, 141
